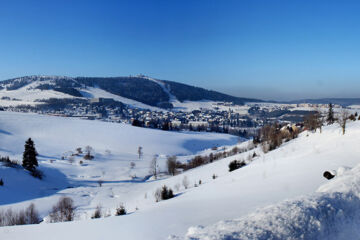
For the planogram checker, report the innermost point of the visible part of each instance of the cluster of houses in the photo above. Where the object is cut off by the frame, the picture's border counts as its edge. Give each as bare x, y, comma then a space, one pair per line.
214, 120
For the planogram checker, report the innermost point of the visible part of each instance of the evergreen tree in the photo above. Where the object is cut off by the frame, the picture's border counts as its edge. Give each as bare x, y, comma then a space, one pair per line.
29, 156
330, 117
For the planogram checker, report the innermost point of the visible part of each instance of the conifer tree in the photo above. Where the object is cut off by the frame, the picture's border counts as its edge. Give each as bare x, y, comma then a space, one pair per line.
29, 156
330, 117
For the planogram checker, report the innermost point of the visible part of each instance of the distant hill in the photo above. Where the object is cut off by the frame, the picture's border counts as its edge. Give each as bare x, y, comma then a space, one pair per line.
149, 91
185, 92
340, 101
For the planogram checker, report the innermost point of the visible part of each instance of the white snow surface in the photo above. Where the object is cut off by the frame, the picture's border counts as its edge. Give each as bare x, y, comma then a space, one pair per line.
279, 195
27, 95
95, 92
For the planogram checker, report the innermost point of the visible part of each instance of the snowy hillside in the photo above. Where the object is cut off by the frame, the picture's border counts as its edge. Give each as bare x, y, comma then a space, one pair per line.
115, 147
280, 194
138, 92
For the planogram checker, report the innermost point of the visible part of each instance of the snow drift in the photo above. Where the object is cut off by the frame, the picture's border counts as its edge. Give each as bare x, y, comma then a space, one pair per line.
332, 213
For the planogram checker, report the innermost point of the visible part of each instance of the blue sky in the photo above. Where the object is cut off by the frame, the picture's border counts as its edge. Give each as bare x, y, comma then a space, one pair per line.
264, 49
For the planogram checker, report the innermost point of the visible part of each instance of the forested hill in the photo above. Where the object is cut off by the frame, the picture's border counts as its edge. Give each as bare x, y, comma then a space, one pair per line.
143, 89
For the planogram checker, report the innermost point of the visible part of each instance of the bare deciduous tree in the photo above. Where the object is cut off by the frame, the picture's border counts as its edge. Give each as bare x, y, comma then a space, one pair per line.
185, 182
157, 195
63, 211
154, 167
140, 152
343, 117
22, 217
171, 165
88, 153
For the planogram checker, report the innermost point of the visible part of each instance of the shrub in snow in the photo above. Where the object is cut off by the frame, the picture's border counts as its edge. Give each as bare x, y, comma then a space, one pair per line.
352, 117
132, 165
177, 187
214, 176
9, 163
88, 157
157, 195
63, 211
166, 193
235, 150
71, 159
163, 193
97, 213
1, 182
236, 165
22, 217
185, 182
197, 161
120, 210
79, 150
88, 153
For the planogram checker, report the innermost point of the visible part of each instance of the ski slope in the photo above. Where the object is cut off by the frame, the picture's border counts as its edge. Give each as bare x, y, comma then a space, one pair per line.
28, 95
280, 194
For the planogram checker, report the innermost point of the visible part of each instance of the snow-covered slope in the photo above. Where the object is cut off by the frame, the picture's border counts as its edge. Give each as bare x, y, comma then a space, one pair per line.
332, 213
115, 147
28, 95
95, 92
253, 195
139, 91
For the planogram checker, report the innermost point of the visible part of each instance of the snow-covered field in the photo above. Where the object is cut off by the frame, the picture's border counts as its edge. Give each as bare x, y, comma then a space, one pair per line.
279, 195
